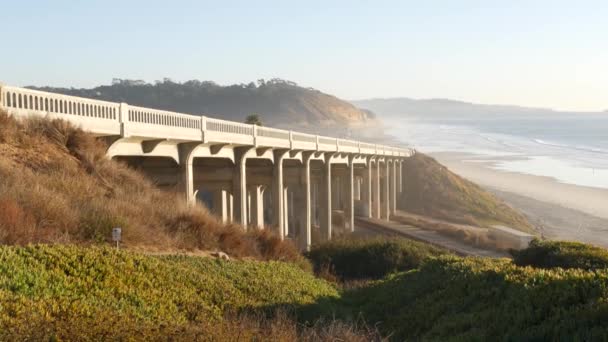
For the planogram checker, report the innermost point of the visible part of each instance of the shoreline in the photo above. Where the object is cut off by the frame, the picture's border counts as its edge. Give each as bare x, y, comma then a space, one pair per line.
558, 210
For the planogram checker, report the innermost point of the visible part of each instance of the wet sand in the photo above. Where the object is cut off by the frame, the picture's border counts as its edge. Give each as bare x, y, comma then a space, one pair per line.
560, 211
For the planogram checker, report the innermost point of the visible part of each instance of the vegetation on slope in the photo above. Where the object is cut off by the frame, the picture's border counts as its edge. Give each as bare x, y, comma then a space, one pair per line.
451, 298
564, 254
356, 259
57, 186
431, 189
277, 101
91, 293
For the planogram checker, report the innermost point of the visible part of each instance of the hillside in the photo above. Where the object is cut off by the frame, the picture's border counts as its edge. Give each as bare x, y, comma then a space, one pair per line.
72, 293
57, 186
431, 189
277, 102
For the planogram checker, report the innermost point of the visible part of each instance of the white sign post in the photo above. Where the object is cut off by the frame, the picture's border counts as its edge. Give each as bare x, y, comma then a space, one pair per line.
116, 235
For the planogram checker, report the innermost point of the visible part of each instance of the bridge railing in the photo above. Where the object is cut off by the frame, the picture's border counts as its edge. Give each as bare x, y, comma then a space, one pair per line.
109, 118
101, 115
268, 136
154, 123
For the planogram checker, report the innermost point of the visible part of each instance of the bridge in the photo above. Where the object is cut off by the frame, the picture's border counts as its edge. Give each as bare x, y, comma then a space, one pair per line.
257, 176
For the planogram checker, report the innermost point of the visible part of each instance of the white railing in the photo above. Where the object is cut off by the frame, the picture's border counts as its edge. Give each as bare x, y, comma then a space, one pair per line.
163, 118
109, 118
303, 137
225, 126
38, 101
273, 133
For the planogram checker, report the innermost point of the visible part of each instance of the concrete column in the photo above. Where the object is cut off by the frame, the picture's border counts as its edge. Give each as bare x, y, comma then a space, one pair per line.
240, 186
400, 176
305, 235
187, 172
230, 206
188, 181
286, 211
350, 196
394, 187
326, 208
387, 191
377, 204
278, 198
221, 205
257, 205
367, 188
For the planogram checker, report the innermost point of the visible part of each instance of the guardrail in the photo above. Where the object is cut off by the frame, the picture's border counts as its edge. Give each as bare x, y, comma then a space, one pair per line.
110, 118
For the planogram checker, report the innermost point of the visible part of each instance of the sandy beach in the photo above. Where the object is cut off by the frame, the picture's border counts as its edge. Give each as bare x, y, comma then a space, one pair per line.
560, 211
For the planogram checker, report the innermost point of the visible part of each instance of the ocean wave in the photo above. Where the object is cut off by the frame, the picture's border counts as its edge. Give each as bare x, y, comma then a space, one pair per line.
570, 147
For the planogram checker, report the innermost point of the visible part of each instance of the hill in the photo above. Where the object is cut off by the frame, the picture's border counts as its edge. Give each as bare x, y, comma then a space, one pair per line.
392, 108
431, 189
277, 102
58, 186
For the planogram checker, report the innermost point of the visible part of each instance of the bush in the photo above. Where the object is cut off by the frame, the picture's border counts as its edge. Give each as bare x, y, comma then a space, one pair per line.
77, 293
351, 258
564, 254
480, 299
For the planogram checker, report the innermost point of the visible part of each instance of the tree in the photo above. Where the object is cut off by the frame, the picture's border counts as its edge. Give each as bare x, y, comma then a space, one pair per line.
253, 119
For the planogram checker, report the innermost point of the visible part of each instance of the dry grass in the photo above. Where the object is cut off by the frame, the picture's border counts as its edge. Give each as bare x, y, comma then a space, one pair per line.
58, 186
281, 327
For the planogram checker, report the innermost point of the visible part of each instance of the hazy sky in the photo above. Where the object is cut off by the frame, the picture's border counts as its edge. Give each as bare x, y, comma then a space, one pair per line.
535, 53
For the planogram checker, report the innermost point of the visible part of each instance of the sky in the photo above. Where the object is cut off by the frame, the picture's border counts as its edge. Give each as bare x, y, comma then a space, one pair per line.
532, 53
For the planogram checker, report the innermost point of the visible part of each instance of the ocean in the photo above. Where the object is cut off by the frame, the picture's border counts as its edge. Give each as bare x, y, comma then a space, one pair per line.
572, 149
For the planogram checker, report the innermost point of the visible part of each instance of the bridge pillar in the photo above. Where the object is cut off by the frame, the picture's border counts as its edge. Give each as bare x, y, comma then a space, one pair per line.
387, 192
377, 203
221, 204
394, 187
256, 205
367, 187
400, 176
326, 207
350, 195
240, 185
187, 170
279, 198
306, 226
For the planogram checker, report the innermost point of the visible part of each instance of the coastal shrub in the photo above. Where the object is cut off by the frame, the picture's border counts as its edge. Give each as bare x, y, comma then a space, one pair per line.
564, 254
351, 258
481, 299
78, 293
58, 186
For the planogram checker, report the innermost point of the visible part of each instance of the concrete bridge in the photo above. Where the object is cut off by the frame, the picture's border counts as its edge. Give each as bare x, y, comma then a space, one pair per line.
257, 176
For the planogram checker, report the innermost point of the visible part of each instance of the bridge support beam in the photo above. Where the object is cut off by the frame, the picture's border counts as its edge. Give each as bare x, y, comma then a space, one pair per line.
306, 226
367, 187
187, 178
326, 207
394, 187
350, 195
240, 185
377, 204
387, 192
278, 200
221, 198
256, 205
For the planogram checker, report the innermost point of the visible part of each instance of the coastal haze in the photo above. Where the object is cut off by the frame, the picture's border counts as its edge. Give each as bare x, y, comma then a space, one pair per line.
552, 165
